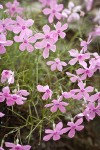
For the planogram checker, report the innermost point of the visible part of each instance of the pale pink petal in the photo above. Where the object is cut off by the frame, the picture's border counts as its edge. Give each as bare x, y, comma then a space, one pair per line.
71, 133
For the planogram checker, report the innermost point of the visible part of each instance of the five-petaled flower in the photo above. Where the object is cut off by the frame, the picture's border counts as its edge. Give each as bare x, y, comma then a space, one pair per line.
78, 57
54, 11
74, 127
55, 133
56, 64
26, 41
57, 104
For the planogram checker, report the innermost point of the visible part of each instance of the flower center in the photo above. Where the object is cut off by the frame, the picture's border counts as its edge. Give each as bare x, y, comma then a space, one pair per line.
23, 27
80, 57
25, 41
87, 71
13, 9
47, 37
53, 11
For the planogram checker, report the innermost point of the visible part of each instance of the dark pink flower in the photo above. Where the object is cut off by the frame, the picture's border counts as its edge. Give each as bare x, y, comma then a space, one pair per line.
54, 11
55, 133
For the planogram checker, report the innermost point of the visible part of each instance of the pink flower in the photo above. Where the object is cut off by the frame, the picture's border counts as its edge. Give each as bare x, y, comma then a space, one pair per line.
57, 104
5, 94
91, 111
7, 75
1, 115
46, 36
47, 46
78, 57
72, 13
3, 43
89, 4
6, 24
55, 133
13, 146
85, 44
14, 8
56, 64
14, 98
27, 42
83, 92
1, 7
74, 77
22, 26
74, 127
46, 90
60, 30
85, 72
53, 11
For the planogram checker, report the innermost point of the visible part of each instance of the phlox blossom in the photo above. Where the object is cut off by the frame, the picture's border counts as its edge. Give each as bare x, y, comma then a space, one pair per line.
26, 42
54, 11
13, 146
46, 90
14, 8
83, 92
7, 76
59, 30
5, 94
78, 57
74, 127
56, 64
57, 104
22, 26
55, 133
85, 72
